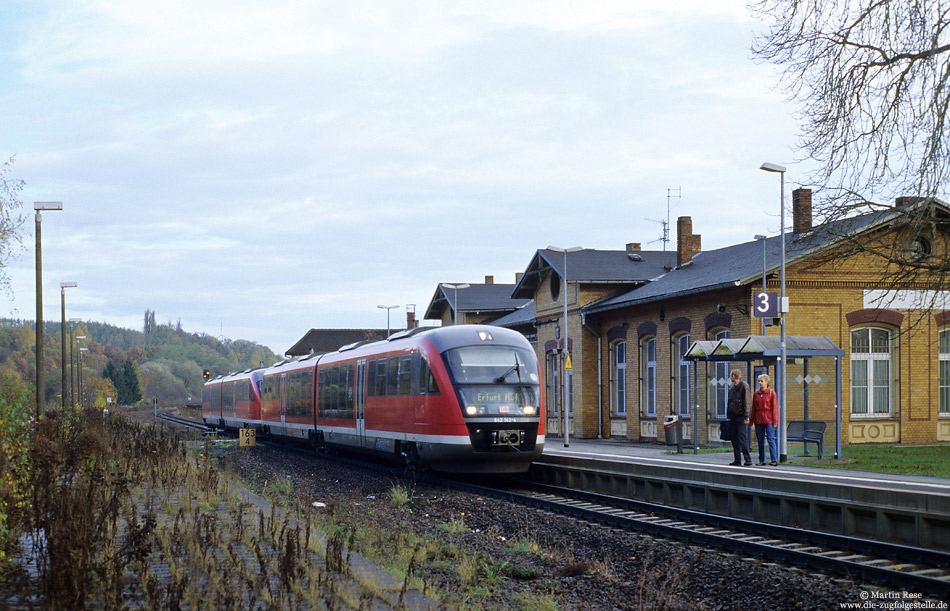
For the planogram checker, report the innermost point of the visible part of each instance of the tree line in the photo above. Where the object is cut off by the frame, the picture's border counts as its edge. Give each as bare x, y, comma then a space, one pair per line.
120, 364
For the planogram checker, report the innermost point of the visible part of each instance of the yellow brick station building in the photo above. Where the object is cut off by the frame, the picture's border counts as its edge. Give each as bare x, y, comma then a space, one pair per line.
632, 315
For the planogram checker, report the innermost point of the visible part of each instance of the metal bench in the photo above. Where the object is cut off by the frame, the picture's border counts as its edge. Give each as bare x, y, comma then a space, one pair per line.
807, 431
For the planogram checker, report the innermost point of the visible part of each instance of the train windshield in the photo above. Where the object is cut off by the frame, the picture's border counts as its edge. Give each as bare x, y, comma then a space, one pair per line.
492, 365
499, 381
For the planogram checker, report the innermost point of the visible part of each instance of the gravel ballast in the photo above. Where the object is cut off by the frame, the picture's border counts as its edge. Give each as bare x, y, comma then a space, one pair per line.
481, 553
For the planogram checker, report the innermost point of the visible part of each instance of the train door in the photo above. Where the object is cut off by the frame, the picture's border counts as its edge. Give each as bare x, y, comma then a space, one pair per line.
283, 400
360, 391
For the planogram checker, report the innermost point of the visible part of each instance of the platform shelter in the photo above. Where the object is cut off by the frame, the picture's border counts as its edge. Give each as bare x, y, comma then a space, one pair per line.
767, 350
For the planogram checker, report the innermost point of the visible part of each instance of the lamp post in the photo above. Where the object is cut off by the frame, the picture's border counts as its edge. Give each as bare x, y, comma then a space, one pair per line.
72, 362
567, 402
455, 307
762, 237
79, 359
40, 381
783, 307
62, 290
387, 308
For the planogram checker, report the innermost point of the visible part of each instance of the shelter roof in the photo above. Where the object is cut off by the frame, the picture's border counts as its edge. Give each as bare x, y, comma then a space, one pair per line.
756, 347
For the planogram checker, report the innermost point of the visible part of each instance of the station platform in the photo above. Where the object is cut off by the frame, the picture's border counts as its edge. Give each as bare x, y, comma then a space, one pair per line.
622, 450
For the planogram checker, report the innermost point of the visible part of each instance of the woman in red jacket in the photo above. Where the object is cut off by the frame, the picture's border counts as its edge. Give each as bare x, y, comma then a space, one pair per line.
765, 419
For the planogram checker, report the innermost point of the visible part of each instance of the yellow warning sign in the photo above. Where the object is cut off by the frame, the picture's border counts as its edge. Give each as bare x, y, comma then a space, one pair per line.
567, 364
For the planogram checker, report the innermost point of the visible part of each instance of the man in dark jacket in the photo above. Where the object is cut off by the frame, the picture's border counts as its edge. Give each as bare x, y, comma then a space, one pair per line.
738, 409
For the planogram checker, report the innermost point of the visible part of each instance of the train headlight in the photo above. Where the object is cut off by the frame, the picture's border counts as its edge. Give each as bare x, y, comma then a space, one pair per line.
471, 410
529, 410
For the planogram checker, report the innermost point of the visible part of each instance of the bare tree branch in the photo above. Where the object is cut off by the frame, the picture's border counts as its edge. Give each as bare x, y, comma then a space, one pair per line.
871, 81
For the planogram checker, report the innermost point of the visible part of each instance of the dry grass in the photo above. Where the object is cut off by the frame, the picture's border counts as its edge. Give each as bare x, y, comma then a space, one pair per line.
124, 517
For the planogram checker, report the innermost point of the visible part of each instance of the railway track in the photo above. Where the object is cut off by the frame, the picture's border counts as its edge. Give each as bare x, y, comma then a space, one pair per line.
910, 569
865, 561
188, 422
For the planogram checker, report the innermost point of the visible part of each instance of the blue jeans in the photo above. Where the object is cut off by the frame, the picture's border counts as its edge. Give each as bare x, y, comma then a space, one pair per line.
763, 431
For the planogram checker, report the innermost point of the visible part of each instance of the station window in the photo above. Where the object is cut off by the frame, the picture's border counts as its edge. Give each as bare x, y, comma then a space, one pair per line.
681, 381
648, 349
720, 382
551, 379
871, 371
618, 382
945, 372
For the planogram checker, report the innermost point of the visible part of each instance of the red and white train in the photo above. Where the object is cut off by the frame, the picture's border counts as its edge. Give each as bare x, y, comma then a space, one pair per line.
464, 399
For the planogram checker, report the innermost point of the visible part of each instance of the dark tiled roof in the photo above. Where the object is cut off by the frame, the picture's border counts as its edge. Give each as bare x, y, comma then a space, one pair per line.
739, 264
329, 340
520, 317
596, 267
474, 298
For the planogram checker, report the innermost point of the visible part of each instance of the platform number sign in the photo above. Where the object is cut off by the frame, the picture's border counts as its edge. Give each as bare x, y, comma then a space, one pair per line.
765, 305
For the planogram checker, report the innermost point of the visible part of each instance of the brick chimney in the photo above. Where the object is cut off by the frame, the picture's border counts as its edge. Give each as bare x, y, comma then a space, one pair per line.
411, 322
489, 280
684, 240
906, 201
801, 211
633, 247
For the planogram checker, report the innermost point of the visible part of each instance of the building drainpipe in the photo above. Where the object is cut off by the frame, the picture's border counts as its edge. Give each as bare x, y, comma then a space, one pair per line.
600, 380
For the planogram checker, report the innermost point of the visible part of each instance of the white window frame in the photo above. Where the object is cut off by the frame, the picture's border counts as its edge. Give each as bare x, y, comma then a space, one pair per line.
618, 382
553, 378
681, 390
873, 362
649, 376
720, 382
944, 372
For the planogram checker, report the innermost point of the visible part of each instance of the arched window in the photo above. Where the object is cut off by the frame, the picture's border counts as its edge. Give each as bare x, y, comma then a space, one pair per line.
945, 371
681, 381
871, 371
719, 384
648, 360
618, 382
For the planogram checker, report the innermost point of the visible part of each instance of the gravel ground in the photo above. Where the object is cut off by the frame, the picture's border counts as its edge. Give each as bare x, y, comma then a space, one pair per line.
484, 553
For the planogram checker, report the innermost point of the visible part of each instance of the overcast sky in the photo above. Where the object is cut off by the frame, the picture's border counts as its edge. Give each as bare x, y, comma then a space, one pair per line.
256, 169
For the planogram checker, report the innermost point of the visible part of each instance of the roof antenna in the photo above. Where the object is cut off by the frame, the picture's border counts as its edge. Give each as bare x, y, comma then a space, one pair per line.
666, 224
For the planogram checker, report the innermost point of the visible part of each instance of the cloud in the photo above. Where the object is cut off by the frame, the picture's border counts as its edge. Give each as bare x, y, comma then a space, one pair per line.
259, 169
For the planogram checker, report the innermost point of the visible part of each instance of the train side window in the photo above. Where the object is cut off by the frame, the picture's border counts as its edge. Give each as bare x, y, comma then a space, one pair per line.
431, 386
307, 398
371, 379
321, 390
350, 383
333, 389
405, 374
392, 377
418, 375
380, 378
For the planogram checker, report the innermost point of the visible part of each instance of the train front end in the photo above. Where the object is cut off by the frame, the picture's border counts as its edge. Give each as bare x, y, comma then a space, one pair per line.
495, 375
